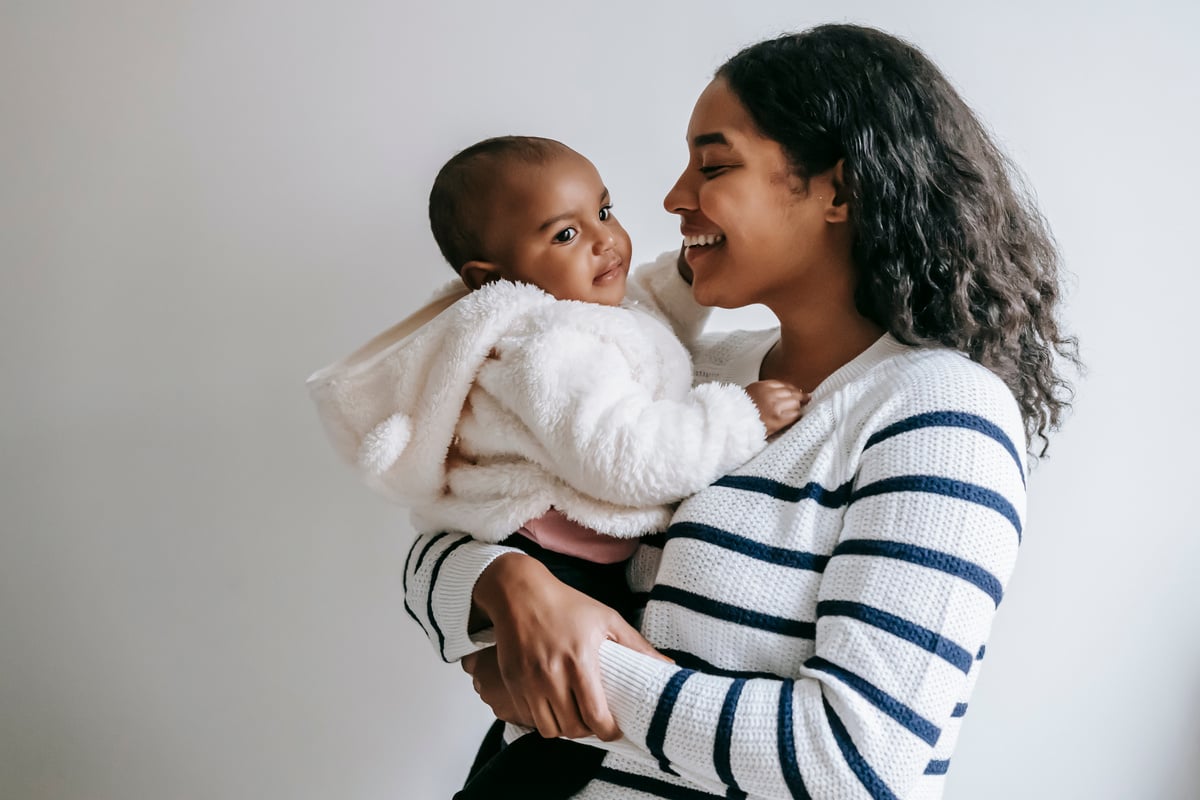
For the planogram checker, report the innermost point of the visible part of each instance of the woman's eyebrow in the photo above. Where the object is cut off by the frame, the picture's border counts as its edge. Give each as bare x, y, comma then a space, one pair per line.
710, 138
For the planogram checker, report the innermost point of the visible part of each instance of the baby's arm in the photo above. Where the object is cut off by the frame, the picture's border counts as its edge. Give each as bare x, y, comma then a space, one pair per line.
605, 433
660, 288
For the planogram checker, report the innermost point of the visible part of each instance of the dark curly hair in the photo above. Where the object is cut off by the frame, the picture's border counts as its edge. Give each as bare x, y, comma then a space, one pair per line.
950, 248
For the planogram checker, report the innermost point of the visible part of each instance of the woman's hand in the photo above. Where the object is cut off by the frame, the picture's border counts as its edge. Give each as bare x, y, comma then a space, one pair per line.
547, 650
484, 669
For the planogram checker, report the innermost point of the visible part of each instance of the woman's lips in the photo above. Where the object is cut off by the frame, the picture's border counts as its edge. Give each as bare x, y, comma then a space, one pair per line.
695, 253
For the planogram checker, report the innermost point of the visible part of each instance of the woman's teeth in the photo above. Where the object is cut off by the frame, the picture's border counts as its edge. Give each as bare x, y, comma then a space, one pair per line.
701, 241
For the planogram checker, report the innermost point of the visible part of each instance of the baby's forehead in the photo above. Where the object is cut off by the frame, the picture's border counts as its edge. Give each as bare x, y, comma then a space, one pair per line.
527, 180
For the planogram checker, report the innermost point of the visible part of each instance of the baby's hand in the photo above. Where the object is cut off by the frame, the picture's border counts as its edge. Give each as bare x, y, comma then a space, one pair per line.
779, 403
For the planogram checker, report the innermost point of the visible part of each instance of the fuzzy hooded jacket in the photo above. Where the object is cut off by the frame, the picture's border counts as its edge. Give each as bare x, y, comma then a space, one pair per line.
483, 410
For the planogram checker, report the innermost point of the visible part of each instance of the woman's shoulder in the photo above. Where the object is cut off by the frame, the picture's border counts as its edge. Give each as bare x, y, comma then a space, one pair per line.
918, 381
941, 371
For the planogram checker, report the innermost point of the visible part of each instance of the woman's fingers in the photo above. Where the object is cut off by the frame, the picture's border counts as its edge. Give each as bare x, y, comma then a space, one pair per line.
625, 634
489, 685
544, 719
593, 705
548, 638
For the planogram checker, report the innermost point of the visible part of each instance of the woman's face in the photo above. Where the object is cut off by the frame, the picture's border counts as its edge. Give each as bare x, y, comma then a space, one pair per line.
753, 231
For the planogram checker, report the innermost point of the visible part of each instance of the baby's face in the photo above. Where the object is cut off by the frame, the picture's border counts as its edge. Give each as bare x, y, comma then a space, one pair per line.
555, 229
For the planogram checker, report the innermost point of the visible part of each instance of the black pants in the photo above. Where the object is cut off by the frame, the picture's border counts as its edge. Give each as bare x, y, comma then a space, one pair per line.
533, 768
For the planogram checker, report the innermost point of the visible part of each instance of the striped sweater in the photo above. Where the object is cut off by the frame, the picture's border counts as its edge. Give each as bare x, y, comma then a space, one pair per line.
826, 604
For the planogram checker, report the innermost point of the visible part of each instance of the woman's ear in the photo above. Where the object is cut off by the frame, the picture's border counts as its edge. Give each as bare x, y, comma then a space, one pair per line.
476, 273
838, 209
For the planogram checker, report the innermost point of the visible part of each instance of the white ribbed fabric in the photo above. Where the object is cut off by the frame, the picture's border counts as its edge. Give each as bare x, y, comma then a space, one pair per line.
826, 604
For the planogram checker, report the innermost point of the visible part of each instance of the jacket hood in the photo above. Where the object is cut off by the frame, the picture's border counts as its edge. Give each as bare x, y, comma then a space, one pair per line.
391, 407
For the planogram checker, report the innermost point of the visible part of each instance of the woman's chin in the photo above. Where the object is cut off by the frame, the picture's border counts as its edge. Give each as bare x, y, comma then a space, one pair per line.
708, 294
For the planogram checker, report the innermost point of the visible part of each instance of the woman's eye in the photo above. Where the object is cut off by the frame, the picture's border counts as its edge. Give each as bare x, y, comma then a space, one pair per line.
710, 171
566, 235
606, 213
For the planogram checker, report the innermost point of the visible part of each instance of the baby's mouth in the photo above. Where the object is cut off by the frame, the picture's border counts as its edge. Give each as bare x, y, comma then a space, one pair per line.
611, 272
704, 240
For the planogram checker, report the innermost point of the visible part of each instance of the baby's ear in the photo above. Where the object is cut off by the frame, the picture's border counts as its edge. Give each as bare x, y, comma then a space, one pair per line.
476, 273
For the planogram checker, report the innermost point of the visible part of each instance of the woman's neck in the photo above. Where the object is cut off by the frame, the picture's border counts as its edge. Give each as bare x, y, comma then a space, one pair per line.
812, 346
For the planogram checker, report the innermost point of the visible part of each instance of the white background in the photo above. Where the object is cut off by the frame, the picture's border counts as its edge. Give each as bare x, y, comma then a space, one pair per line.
202, 202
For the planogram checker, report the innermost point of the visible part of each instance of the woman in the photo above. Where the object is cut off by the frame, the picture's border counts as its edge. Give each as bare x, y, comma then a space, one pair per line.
826, 605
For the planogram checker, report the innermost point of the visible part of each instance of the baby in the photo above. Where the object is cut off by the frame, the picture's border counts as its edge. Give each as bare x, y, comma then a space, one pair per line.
535, 403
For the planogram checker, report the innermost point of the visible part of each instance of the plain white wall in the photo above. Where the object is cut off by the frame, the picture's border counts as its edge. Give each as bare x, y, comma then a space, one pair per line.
202, 202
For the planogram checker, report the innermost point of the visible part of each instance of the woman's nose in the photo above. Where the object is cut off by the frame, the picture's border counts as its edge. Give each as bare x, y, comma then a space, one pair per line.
681, 197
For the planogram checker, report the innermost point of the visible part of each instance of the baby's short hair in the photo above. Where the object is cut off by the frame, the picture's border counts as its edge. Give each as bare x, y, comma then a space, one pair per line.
465, 183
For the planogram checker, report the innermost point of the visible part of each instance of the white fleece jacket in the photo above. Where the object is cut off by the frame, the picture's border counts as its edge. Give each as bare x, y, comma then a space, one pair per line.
544, 402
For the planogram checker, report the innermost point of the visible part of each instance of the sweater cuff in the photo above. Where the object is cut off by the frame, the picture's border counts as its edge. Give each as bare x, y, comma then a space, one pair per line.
659, 285
632, 684
745, 435
450, 598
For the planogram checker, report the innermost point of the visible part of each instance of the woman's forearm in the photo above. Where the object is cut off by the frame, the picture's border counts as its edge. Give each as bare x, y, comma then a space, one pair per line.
440, 572
512, 572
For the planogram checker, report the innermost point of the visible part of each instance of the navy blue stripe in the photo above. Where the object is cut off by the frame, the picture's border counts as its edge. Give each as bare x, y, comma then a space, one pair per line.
787, 744
925, 557
656, 734
937, 767
950, 419
947, 487
960, 710
897, 626
404, 585
656, 539
914, 722
437, 567
866, 776
782, 556
830, 498
685, 659
425, 549
721, 747
734, 614
654, 786
982, 651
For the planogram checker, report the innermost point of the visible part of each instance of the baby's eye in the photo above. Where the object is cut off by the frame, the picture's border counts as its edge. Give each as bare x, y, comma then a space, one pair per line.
606, 213
566, 235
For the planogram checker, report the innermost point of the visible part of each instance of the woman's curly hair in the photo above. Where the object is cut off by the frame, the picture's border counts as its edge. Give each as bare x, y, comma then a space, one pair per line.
949, 246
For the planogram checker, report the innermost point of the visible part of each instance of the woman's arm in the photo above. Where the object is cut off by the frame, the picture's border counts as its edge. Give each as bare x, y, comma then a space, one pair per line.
440, 571
551, 679
905, 605
457, 589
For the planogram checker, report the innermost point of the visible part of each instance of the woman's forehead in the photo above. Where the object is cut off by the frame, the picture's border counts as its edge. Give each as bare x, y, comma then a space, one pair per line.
717, 117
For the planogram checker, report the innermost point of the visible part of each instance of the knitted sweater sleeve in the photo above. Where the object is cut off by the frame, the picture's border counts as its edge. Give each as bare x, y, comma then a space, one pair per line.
905, 603
439, 578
